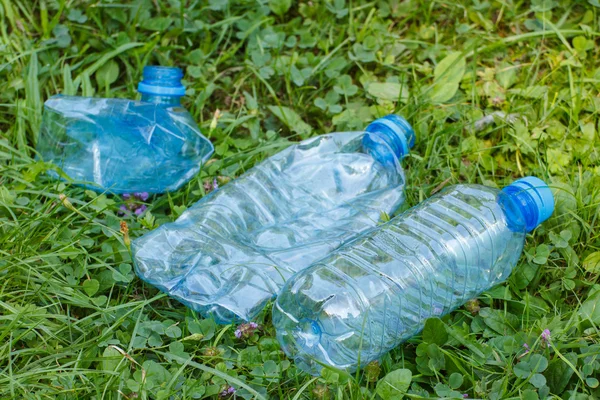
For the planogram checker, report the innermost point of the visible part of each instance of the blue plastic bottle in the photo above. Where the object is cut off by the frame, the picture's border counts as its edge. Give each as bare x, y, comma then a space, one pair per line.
375, 292
230, 253
126, 146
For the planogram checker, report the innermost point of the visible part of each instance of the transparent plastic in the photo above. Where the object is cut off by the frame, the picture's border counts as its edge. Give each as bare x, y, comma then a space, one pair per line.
230, 253
373, 293
125, 146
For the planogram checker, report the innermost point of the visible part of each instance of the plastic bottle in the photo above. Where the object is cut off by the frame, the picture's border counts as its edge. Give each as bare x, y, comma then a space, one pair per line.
125, 146
373, 293
230, 253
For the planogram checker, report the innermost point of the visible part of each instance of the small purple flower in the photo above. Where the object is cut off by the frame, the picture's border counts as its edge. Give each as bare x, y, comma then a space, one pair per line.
465, 396
546, 334
132, 203
227, 392
526, 347
140, 209
546, 337
143, 196
246, 330
210, 186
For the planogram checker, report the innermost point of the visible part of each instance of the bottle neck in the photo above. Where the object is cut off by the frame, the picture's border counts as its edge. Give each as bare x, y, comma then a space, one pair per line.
379, 147
389, 139
532, 199
170, 101
520, 214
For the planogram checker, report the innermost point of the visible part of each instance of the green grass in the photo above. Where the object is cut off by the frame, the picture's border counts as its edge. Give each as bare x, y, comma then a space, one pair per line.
76, 323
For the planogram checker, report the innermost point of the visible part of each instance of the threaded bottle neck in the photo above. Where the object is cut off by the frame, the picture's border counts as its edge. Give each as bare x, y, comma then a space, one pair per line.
162, 85
389, 139
531, 203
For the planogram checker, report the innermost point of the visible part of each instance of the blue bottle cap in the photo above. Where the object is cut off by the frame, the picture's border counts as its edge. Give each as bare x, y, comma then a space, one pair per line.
396, 132
162, 81
534, 198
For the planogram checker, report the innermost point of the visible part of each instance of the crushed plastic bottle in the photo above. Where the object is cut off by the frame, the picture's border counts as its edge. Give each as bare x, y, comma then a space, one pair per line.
230, 253
125, 146
370, 295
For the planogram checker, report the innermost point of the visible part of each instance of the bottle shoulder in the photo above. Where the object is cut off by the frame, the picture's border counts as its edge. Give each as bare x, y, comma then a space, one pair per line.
488, 204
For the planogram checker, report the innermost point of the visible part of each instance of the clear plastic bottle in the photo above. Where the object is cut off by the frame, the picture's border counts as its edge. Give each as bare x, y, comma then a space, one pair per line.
126, 146
230, 253
375, 292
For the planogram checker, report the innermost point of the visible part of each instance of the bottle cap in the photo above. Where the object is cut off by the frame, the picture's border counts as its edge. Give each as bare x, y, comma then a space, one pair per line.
534, 198
396, 132
162, 81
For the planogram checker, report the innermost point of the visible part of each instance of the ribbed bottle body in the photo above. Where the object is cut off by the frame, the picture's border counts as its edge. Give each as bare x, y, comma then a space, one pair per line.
377, 291
233, 250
